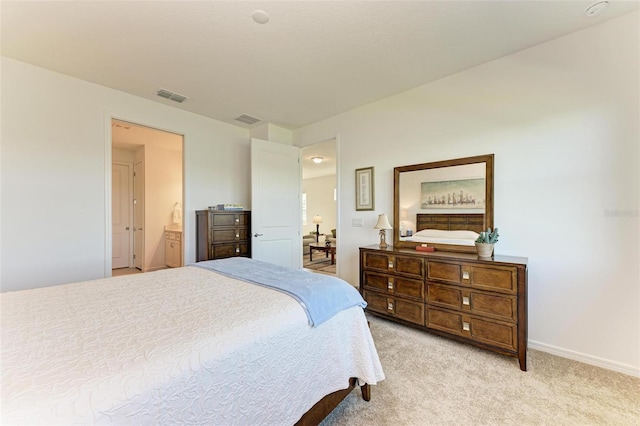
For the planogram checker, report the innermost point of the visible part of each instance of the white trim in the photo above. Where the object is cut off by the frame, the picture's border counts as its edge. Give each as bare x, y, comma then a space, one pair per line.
108, 229
336, 138
587, 359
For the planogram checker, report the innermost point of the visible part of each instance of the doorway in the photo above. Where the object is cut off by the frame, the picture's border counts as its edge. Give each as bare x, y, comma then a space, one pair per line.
320, 206
147, 191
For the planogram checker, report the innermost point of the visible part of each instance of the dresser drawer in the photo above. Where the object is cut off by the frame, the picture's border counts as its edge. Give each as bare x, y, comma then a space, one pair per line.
394, 285
229, 250
227, 235
498, 306
228, 219
479, 329
395, 307
173, 235
402, 265
494, 278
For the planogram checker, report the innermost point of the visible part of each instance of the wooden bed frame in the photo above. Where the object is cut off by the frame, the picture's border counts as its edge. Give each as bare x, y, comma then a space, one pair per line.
326, 405
451, 222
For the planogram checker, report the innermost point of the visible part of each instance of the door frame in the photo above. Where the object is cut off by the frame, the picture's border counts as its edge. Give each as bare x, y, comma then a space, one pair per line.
108, 146
314, 141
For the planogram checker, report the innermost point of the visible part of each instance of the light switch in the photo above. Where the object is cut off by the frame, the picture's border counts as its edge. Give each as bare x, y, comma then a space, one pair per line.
356, 222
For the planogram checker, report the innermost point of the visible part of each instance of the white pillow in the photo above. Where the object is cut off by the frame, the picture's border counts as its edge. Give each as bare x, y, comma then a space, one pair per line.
437, 233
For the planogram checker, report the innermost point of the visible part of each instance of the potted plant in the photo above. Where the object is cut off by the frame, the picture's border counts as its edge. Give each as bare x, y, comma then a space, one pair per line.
486, 241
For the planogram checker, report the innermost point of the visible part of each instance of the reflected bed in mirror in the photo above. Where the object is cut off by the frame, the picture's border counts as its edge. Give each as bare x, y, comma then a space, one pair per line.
443, 204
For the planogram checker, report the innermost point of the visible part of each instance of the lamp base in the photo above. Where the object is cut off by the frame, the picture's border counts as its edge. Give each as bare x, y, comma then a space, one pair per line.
383, 239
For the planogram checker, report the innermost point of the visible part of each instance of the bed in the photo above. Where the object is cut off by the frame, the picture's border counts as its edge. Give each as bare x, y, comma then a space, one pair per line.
179, 346
446, 229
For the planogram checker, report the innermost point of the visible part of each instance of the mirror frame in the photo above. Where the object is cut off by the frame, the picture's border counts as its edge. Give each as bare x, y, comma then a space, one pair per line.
488, 212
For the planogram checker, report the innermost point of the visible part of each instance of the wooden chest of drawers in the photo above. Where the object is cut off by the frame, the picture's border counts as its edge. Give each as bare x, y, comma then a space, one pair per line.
221, 234
457, 295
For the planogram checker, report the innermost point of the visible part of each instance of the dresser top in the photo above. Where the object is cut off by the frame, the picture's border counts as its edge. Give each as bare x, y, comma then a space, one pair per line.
439, 254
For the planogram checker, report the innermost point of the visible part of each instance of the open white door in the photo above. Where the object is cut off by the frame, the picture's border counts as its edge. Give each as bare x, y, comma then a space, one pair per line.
275, 203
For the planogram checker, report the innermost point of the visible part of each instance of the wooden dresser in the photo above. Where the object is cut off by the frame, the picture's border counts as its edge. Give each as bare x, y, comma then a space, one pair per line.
456, 295
221, 234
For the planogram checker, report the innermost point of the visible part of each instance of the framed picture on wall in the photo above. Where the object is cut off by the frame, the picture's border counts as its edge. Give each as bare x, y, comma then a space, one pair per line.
364, 189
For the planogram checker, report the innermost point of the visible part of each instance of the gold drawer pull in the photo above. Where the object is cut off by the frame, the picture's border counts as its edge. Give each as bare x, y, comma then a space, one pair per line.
465, 300
390, 306
390, 265
465, 326
390, 285
237, 220
237, 249
237, 236
465, 275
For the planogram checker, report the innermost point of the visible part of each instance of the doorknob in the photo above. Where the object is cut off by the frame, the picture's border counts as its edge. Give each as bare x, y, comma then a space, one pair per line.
257, 235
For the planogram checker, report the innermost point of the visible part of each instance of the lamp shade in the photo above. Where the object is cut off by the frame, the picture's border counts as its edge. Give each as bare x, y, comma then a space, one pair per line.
317, 219
383, 222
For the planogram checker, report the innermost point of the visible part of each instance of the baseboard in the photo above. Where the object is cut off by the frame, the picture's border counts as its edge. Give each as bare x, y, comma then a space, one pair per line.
155, 268
587, 359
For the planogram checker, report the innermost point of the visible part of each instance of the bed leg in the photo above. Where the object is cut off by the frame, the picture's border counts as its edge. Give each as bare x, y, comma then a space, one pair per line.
366, 392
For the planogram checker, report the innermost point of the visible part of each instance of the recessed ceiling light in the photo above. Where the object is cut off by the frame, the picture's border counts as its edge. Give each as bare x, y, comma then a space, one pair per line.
596, 9
317, 160
260, 16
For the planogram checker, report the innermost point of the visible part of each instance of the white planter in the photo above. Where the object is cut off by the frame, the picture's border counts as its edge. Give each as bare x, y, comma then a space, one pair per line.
484, 249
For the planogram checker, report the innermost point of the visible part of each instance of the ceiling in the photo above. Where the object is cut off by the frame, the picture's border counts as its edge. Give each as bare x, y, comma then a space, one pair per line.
128, 136
311, 61
325, 150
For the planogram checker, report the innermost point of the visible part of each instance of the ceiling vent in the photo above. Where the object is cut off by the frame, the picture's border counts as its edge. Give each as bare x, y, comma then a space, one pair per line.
247, 119
163, 93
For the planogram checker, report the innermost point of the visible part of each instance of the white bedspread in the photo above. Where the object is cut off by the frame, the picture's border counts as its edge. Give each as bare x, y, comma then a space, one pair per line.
176, 346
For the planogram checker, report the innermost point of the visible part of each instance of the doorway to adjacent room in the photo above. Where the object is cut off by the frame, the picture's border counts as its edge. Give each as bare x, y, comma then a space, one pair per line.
146, 196
319, 204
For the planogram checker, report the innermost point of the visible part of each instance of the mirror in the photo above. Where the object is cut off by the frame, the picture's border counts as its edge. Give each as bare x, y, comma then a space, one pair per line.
433, 199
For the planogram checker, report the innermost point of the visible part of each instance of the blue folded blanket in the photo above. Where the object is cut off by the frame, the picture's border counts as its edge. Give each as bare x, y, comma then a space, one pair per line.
321, 296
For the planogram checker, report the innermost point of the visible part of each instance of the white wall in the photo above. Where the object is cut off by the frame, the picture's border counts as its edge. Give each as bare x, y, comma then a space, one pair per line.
562, 120
163, 189
55, 156
320, 202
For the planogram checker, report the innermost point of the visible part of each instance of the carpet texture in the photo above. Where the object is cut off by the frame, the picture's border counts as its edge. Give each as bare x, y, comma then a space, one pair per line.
319, 264
435, 381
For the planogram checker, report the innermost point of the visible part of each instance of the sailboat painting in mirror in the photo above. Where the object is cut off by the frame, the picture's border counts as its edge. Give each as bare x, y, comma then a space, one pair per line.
453, 194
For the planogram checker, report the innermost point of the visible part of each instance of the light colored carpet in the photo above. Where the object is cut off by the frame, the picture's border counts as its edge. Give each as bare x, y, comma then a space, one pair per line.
435, 381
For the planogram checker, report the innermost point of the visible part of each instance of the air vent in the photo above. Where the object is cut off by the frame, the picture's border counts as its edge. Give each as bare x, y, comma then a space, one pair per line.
247, 119
163, 93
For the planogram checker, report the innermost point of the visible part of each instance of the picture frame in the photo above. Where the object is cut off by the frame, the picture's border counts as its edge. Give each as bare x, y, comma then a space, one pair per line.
365, 189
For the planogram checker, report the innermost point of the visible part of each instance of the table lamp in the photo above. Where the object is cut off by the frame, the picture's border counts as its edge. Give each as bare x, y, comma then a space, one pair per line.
317, 220
383, 224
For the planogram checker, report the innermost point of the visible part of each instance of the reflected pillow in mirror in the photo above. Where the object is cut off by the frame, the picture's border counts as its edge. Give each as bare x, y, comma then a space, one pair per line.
437, 233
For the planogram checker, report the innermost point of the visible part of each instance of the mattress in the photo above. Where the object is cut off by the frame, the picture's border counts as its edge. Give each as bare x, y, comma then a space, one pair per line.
177, 346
